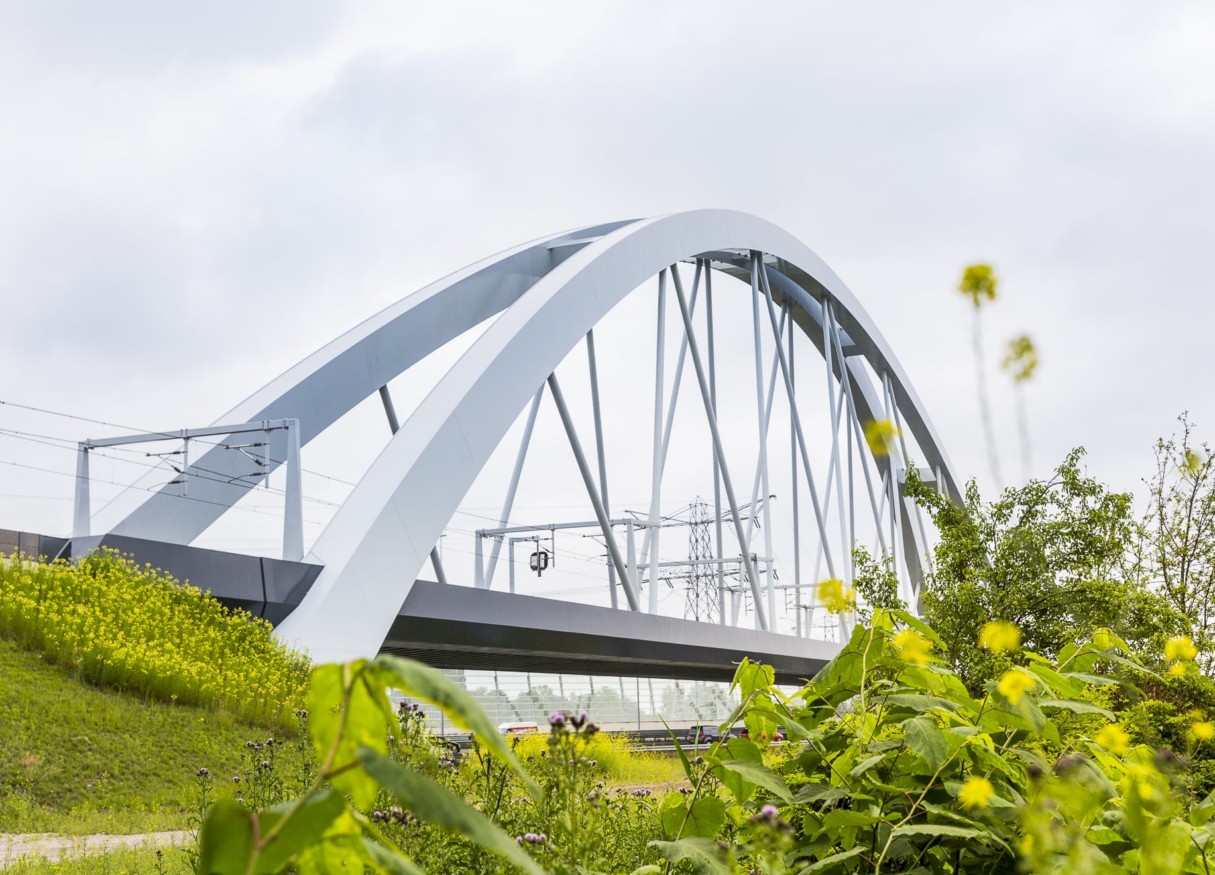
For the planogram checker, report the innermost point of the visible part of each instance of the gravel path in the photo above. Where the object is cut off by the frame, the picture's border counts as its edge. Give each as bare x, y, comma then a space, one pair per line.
56, 847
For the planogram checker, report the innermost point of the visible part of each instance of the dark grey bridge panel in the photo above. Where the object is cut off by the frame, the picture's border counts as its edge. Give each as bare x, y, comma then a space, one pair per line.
460, 627
452, 626
268, 588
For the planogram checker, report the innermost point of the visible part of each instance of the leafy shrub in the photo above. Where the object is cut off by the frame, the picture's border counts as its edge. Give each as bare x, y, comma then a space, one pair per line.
893, 766
118, 625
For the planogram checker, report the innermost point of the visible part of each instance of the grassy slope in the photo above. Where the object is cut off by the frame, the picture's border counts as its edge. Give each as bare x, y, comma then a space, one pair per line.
143, 861
78, 759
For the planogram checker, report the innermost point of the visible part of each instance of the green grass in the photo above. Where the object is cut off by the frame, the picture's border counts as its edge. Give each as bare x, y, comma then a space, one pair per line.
78, 759
172, 861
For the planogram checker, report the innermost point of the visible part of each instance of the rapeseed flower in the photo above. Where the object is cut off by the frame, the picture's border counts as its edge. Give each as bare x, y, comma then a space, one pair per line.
912, 647
1114, 739
1180, 647
1000, 636
979, 284
835, 597
1014, 684
881, 434
976, 792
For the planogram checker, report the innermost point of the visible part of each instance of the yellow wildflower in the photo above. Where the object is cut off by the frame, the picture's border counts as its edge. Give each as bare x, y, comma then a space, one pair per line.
1000, 636
1203, 730
1143, 781
976, 793
1020, 358
1014, 684
1114, 739
912, 647
880, 434
1177, 669
835, 597
1180, 647
979, 284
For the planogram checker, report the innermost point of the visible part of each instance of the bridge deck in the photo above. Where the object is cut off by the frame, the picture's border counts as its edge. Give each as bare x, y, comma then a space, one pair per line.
450, 626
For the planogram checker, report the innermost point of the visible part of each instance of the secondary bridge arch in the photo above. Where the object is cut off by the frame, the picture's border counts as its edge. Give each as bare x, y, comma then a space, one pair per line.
547, 296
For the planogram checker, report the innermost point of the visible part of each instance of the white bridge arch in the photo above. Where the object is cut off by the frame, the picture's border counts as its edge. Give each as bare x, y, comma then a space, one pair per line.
547, 296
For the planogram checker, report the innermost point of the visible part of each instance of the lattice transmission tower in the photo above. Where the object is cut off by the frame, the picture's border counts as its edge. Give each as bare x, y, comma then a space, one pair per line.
702, 595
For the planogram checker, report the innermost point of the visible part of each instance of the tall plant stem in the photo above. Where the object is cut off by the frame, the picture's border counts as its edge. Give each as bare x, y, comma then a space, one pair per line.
989, 429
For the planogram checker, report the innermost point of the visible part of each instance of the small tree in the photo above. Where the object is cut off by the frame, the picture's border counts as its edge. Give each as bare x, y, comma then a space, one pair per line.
1175, 548
1046, 556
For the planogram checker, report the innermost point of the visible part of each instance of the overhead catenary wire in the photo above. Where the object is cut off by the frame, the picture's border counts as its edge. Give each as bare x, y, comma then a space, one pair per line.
152, 489
195, 470
168, 435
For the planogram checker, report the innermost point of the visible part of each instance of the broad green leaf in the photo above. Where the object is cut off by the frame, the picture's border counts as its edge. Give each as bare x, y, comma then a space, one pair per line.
361, 720
1202, 812
1059, 685
939, 681
820, 794
954, 789
434, 803
705, 817
306, 824
952, 812
341, 847
757, 773
386, 861
705, 855
919, 703
738, 749
922, 736
1165, 848
761, 724
339, 855
226, 839
909, 619
840, 679
826, 864
672, 812
846, 817
752, 677
1077, 707
865, 765
939, 830
428, 684
1067, 653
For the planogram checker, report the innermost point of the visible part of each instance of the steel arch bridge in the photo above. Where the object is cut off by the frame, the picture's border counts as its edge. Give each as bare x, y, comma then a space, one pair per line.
535, 304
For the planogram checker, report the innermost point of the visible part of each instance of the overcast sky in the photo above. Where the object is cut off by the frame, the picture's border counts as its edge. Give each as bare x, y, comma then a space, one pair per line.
195, 196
